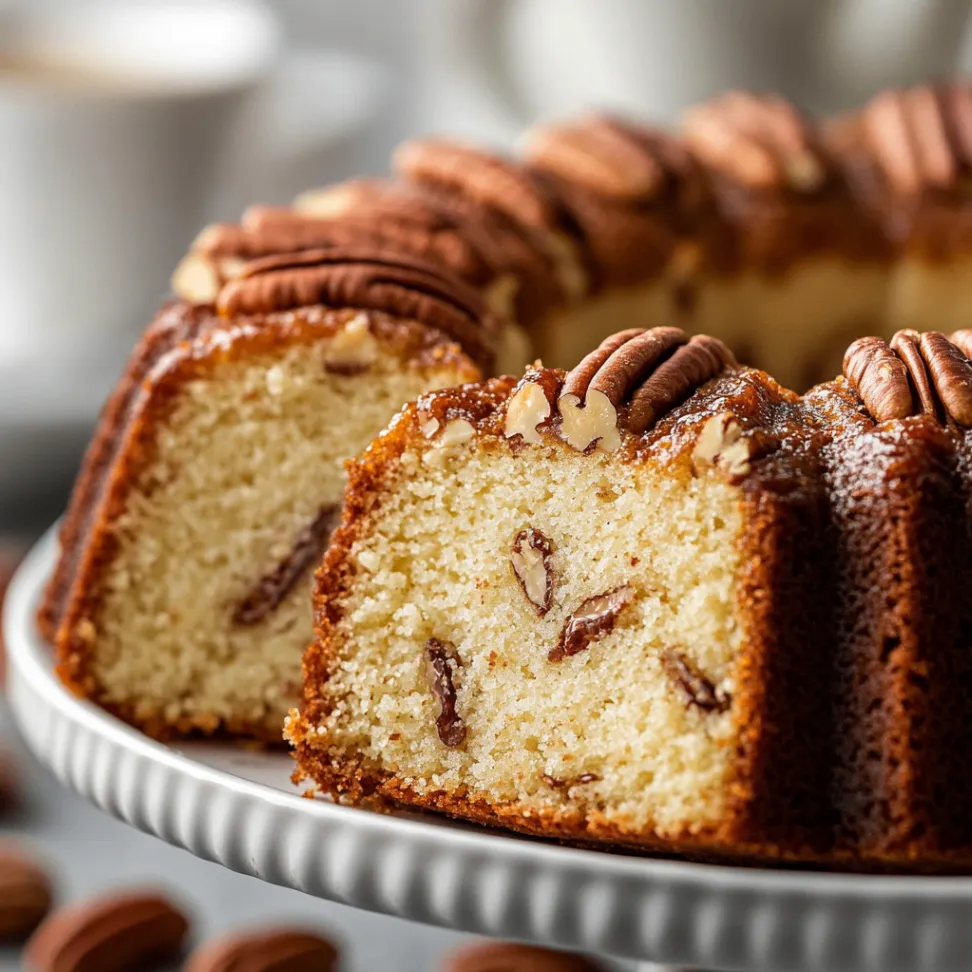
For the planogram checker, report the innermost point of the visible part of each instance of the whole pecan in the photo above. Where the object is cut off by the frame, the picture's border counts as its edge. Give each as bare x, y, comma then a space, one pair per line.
273, 950
119, 933
25, 894
509, 957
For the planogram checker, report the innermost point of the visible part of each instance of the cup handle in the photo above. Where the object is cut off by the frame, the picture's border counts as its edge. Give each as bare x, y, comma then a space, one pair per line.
471, 45
315, 102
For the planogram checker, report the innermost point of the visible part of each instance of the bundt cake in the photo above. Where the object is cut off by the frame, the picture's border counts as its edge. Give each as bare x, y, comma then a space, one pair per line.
216, 475
660, 600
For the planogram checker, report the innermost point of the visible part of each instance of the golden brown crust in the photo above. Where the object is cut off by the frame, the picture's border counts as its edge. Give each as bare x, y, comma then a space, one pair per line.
184, 343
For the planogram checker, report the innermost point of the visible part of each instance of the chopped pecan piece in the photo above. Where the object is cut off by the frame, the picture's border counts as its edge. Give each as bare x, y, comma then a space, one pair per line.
593, 619
697, 687
555, 783
442, 662
273, 587
530, 559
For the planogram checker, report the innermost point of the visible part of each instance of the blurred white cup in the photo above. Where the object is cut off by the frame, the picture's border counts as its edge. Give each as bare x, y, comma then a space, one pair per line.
498, 65
122, 127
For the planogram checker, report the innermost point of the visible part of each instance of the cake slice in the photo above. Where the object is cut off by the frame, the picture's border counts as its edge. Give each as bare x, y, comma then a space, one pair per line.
583, 605
181, 599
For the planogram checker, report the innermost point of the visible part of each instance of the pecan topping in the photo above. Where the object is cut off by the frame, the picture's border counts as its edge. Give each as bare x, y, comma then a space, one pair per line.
963, 341
591, 621
530, 559
917, 372
761, 140
487, 180
698, 689
508, 957
674, 380
274, 586
594, 391
880, 377
921, 137
442, 663
907, 345
369, 279
266, 951
121, 933
951, 373
604, 155
25, 895
530, 405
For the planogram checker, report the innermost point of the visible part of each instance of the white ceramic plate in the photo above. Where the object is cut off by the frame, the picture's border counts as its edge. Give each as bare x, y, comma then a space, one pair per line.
238, 808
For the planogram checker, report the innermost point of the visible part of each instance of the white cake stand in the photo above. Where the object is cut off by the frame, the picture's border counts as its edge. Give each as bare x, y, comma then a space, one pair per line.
238, 808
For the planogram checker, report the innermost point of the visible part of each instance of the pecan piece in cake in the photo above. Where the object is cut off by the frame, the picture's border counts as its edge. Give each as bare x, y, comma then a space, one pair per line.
698, 688
442, 663
591, 621
271, 589
530, 559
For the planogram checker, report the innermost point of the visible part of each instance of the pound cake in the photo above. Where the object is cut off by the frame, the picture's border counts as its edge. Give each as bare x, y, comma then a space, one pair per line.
661, 600
296, 334
207, 497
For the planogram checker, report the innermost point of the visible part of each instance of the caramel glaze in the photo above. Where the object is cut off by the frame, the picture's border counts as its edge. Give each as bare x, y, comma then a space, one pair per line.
854, 697
635, 204
183, 343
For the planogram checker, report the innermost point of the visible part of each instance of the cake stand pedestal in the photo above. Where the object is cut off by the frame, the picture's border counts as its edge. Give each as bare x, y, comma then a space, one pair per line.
239, 809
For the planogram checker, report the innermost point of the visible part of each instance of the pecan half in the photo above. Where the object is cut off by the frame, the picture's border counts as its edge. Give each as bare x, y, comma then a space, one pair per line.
120, 933
530, 559
880, 377
591, 621
674, 380
273, 587
911, 135
442, 663
599, 153
907, 345
483, 178
951, 374
594, 391
25, 895
366, 278
761, 140
280, 950
699, 690
508, 957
